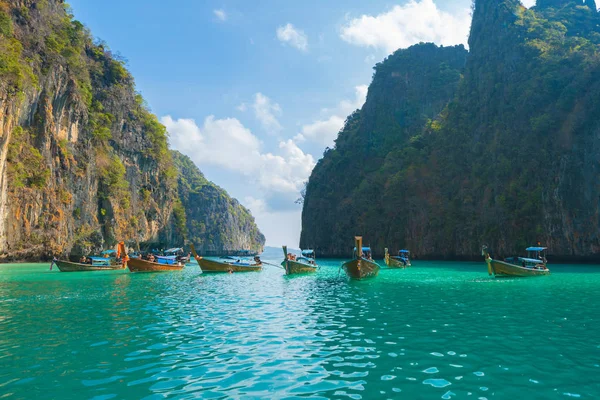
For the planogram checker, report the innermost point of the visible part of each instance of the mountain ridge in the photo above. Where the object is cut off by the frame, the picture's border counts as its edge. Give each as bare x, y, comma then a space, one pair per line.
510, 161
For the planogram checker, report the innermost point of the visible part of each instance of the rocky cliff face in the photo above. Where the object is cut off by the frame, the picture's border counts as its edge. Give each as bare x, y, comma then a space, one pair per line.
347, 191
215, 223
83, 163
512, 160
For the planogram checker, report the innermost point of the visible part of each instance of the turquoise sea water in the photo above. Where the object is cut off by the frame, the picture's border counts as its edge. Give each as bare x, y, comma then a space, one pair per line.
436, 330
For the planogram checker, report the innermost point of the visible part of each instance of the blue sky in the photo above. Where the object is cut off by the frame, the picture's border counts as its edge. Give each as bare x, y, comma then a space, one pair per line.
254, 91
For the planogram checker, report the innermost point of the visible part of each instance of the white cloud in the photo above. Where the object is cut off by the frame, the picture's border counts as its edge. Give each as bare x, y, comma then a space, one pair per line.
228, 144
403, 26
266, 112
528, 3
220, 14
279, 227
242, 107
325, 131
294, 37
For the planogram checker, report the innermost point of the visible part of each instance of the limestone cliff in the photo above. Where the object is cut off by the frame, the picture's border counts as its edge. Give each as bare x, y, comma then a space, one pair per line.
215, 223
512, 160
83, 163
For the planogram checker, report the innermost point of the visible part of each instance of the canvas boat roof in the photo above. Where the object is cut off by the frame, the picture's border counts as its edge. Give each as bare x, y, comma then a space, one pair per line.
364, 249
535, 248
532, 260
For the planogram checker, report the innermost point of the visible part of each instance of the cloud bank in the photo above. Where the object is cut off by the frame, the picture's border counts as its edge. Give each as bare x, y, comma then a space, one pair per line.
403, 26
228, 144
325, 131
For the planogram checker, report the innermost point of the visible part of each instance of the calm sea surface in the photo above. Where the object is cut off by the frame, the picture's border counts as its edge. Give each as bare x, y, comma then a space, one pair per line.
436, 330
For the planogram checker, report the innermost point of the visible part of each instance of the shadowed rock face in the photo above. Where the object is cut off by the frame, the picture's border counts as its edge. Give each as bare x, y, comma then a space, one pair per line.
83, 163
345, 193
512, 160
216, 224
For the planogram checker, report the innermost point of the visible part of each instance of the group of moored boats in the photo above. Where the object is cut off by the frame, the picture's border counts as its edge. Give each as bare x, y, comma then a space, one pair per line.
361, 266
174, 259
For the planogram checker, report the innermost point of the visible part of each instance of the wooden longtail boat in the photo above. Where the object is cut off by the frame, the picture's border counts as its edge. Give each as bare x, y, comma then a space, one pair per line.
299, 265
155, 264
518, 266
362, 266
227, 264
110, 260
402, 260
163, 264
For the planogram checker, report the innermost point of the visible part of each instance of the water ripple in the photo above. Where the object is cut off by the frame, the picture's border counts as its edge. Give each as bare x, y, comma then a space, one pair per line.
263, 335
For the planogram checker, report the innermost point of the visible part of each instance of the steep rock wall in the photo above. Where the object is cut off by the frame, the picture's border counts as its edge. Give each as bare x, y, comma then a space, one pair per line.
83, 162
513, 159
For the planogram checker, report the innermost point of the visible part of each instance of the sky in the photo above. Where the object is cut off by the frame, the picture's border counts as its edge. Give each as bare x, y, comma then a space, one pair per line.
253, 92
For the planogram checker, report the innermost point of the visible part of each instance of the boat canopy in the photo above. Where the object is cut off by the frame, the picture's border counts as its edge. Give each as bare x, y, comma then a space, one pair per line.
530, 260
111, 251
174, 250
404, 252
168, 260
100, 261
535, 248
307, 252
364, 249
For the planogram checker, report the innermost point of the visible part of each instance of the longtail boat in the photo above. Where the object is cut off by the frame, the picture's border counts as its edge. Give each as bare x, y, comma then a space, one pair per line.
532, 265
227, 264
179, 254
402, 260
299, 265
155, 264
109, 260
362, 266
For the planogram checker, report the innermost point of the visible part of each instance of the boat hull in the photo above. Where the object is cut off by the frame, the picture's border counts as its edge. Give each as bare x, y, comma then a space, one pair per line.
395, 263
501, 268
294, 267
67, 266
361, 269
210, 266
139, 265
